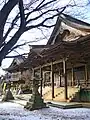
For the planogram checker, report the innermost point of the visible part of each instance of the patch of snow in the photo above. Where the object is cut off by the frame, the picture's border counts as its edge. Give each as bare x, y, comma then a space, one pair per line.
13, 111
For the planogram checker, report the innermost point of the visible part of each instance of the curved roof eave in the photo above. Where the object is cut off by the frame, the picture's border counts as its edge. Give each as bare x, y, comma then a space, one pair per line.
75, 23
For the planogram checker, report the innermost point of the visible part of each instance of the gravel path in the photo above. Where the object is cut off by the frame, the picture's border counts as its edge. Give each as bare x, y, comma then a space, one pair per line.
13, 111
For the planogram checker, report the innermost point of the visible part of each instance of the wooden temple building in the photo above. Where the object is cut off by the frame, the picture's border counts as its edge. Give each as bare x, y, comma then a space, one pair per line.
64, 62
16, 76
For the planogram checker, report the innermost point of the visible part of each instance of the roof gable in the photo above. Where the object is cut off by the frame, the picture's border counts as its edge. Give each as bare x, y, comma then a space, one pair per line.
77, 28
15, 62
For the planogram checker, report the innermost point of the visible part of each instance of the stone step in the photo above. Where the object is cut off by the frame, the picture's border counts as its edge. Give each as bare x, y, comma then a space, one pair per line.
59, 94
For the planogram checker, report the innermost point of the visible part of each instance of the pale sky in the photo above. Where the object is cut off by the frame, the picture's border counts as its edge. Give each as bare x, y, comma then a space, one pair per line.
35, 34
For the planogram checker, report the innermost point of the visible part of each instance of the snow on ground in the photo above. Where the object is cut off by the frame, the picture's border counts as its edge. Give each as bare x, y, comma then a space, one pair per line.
13, 111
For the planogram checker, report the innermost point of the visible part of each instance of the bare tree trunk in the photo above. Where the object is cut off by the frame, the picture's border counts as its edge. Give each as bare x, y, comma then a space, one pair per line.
10, 44
4, 13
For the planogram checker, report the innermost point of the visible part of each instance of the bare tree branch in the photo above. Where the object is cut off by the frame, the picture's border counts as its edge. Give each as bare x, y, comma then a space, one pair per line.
16, 56
17, 46
22, 15
10, 43
11, 27
43, 13
40, 4
42, 22
34, 14
47, 3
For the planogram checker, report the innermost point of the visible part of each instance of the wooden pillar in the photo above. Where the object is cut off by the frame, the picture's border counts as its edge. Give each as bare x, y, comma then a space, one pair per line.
86, 74
33, 79
33, 76
65, 78
44, 79
33, 73
52, 79
72, 76
41, 79
60, 78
